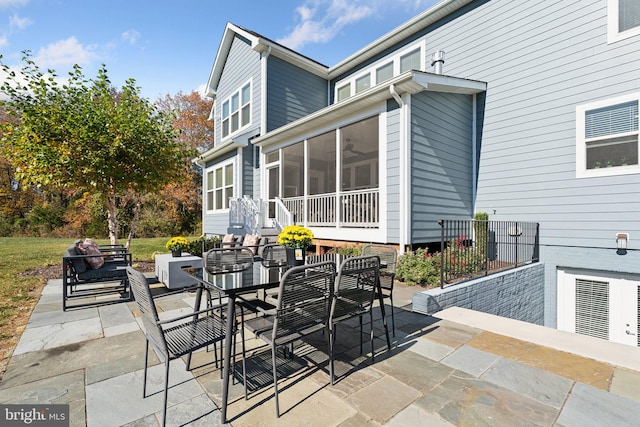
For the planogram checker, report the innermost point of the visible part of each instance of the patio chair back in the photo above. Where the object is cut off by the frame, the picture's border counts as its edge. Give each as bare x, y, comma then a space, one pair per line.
274, 256
148, 313
388, 258
388, 261
304, 299
228, 260
355, 287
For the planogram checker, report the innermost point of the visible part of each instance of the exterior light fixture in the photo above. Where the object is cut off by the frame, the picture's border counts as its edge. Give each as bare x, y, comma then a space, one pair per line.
622, 240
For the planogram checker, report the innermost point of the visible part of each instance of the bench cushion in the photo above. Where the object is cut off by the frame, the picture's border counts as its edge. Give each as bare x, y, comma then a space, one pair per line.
108, 271
78, 263
89, 247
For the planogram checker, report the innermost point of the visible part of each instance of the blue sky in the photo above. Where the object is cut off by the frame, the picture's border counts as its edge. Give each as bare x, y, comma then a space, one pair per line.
170, 46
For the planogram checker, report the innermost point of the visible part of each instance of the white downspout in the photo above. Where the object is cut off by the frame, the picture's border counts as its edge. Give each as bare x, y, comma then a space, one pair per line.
405, 197
263, 123
474, 153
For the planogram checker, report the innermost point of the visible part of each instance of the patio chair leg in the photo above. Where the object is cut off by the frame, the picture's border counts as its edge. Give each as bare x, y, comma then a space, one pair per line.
332, 338
373, 355
244, 360
166, 387
393, 321
146, 361
360, 318
275, 379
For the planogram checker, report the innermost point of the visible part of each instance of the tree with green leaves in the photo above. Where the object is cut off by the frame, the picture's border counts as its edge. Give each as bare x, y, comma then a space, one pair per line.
84, 134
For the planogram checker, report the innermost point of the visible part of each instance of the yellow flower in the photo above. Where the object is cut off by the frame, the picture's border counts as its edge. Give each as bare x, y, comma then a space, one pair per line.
295, 236
177, 243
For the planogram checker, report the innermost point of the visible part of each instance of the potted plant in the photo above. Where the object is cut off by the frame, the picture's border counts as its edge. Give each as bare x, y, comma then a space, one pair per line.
296, 239
176, 245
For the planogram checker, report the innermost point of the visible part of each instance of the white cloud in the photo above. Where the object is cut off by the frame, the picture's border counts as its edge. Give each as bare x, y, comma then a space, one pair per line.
4, 41
18, 23
321, 20
8, 3
65, 53
131, 36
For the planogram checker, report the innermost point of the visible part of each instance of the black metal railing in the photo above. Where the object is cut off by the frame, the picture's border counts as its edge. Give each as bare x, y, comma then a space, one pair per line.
472, 248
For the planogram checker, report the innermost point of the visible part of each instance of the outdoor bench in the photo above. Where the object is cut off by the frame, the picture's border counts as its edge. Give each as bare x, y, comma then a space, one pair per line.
81, 281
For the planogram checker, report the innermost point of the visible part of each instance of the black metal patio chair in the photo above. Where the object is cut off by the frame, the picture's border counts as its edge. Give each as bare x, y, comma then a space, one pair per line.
176, 337
388, 260
354, 294
304, 297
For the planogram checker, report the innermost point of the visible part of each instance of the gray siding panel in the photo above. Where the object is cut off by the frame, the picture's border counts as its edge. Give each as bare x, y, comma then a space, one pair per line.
393, 171
548, 58
243, 63
441, 162
292, 93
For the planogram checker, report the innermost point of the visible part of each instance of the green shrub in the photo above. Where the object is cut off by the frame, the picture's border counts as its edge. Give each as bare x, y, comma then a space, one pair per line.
196, 246
347, 250
419, 267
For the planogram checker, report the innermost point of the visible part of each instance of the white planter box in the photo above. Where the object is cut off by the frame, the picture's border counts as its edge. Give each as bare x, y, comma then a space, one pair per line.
169, 269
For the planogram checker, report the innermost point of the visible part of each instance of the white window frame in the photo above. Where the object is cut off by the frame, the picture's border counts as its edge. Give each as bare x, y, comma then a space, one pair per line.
241, 106
212, 190
581, 152
613, 33
371, 70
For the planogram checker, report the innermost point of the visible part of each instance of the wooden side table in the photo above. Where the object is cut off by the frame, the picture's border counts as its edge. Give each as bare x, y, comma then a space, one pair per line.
169, 269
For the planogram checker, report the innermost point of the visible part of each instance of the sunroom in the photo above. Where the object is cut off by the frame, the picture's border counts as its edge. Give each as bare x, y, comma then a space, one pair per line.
334, 170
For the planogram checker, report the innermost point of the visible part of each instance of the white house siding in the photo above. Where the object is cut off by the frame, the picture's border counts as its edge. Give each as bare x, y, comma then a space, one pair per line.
292, 93
441, 158
393, 172
541, 59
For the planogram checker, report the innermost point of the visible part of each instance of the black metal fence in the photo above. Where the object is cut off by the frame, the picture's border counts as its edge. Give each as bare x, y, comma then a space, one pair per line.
472, 248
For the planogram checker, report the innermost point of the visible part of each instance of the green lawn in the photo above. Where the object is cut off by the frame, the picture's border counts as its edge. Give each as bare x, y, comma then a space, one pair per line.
18, 293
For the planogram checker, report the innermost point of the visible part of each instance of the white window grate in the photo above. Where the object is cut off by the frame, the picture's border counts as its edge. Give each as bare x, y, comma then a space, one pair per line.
592, 308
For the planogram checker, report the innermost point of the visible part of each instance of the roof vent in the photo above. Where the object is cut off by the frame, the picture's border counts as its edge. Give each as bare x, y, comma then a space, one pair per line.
437, 60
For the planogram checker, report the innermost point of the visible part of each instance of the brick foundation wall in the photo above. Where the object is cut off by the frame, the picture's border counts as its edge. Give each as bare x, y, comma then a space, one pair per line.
515, 294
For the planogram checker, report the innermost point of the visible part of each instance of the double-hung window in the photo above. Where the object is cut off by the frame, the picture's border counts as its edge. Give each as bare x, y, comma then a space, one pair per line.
623, 19
607, 137
220, 180
236, 111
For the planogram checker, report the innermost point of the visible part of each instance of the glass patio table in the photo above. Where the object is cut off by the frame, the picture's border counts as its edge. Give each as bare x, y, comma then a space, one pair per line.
255, 278
231, 285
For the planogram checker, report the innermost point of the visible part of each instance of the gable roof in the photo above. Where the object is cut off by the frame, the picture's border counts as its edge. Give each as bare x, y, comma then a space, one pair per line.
260, 44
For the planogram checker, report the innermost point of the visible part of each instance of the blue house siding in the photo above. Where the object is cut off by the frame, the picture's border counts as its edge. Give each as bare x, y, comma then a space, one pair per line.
543, 60
242, 64
393, 172
441, 159
292, 93
553, 57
